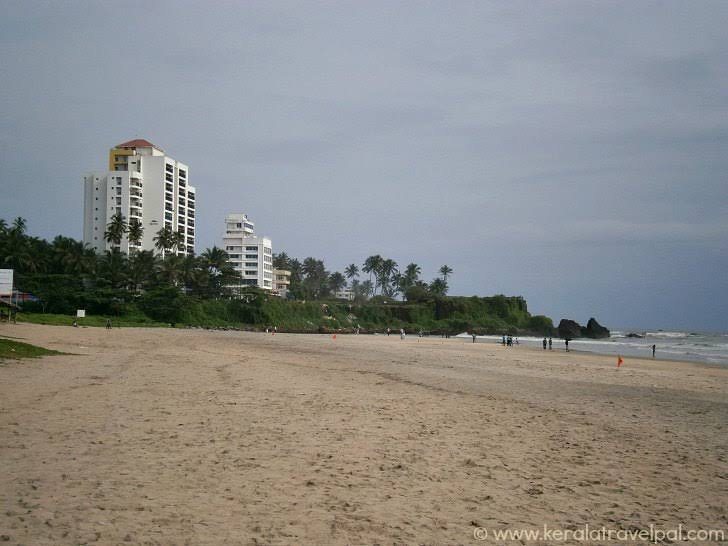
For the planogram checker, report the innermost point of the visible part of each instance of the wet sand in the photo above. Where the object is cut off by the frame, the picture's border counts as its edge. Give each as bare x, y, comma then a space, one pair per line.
154, 436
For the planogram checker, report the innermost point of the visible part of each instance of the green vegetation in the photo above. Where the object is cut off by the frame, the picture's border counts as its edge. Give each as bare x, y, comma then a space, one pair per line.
154, 289
16, 349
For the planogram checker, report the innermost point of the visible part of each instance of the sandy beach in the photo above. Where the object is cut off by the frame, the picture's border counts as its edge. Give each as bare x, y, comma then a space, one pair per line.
155, 436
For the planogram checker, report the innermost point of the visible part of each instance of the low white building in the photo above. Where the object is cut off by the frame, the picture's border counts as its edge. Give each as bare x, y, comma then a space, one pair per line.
281, 282
251, 256
345, 294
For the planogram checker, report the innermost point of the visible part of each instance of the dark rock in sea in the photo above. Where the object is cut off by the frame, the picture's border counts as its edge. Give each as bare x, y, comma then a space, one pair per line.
595, 330
632, 334
569, 329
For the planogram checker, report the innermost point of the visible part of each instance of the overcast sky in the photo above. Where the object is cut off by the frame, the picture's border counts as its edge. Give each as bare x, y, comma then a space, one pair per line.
575, 153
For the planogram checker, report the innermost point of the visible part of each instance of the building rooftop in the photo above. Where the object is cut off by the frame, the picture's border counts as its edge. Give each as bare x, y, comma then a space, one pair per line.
139, 143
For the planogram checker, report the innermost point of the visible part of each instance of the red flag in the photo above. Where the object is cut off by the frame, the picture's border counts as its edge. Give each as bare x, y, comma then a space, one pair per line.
620, 361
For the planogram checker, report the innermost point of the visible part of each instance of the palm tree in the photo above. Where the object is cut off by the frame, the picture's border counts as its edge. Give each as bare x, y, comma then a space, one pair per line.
17, 251
113, 268
281, 261
170, 269
19, 225
315, 283
142, 265
367, 288
372, 266
214, 258
337, 281
438, 287
116, 229
164, 240
351, 271
445, 271
135, 232
71, 257
387, 268
178, 240
409, 279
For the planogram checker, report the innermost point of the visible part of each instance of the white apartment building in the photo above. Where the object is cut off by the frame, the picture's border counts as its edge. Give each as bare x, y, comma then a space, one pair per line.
145, 184
251, 256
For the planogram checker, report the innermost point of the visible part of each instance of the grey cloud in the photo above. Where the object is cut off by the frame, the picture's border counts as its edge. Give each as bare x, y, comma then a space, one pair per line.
565, 151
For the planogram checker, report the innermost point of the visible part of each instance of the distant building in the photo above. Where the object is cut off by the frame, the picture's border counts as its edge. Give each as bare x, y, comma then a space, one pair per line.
251, 256
281, 282
345, 294
145, 184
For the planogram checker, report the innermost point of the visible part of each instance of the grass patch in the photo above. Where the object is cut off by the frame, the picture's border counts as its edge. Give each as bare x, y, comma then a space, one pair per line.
16, 349
89, 320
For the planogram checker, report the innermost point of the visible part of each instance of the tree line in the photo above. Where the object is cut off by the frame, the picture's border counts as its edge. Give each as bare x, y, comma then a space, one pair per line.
40, 264
311, 280
114, 274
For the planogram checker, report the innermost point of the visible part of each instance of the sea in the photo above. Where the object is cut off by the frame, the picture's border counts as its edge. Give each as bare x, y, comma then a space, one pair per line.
706, 347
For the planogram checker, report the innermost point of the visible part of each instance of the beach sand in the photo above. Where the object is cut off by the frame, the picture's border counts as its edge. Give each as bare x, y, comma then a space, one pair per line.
156, 436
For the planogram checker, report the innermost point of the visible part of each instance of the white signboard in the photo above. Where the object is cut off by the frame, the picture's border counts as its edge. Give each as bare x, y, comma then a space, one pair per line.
6, 282
80, 313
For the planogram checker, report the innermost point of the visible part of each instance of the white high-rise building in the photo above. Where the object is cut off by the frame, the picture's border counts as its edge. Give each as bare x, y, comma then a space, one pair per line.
142, 183
251, 256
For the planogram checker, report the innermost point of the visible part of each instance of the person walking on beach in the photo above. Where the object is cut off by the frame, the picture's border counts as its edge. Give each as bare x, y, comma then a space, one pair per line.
108, 324
402, 334
544, 344
473, 337
389, 331
550, 342
566, 342
653, 350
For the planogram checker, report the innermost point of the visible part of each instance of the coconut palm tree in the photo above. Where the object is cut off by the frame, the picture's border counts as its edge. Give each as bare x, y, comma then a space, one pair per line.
438, 287
170, 269
281, 261
445, 271
351, 271
337, 281
142, 265
113, 268
16, 249
178, 240
367, 288
372, 265
387, 269
115, 229
165, 240
135, 232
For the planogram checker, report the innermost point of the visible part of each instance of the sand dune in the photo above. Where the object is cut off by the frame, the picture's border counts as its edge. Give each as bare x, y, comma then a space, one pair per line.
148, 436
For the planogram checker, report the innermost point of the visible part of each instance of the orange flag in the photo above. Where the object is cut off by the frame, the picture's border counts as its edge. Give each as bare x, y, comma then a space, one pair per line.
620, 361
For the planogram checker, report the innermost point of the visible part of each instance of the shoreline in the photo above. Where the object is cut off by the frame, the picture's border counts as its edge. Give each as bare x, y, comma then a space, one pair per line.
492, 340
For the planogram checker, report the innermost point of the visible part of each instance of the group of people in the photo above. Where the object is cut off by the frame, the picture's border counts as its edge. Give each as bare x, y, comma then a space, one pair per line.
507, 340
549, 343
